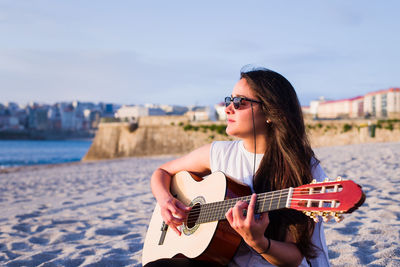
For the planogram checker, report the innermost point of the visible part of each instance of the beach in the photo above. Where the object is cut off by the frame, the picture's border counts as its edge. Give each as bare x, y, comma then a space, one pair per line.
96, 213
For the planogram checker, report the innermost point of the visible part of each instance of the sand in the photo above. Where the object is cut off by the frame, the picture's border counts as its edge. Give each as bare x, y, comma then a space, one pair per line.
96, 213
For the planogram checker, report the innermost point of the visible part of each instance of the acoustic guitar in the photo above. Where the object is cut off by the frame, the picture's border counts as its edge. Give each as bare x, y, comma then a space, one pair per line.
207, 235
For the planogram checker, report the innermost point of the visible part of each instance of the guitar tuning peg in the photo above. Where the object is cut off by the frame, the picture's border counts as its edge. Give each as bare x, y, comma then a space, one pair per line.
326, 179
314, 181
339, 178
316, 219
327, 216
338, 218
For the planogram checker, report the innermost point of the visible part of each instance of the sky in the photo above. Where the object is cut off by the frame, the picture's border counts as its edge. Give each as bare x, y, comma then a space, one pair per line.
191, 52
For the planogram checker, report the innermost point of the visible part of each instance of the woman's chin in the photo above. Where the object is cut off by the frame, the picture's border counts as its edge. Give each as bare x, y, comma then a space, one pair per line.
231, 132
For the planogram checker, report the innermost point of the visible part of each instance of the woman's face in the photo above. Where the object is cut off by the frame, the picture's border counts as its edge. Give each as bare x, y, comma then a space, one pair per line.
239, 121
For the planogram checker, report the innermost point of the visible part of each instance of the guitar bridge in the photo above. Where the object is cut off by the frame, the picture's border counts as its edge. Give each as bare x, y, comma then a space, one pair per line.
164, 229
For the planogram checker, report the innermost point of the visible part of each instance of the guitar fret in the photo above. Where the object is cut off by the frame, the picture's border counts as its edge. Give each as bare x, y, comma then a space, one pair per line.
271, 201
262, 209
277, 206
216, 211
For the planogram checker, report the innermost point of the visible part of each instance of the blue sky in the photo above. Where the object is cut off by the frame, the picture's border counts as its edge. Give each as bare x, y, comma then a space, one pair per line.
186, 52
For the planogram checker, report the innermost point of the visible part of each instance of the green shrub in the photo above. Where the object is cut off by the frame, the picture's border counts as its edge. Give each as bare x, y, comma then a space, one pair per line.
187, 127
347, 127
389, 127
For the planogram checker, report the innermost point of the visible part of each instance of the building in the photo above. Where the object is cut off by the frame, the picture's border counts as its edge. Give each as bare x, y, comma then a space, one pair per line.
198, 114
130, 113
383, 103
220, 111
314, 104
341, 109
174, 110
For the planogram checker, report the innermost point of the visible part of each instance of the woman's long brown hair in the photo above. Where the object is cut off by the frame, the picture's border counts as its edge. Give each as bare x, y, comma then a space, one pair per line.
287, 159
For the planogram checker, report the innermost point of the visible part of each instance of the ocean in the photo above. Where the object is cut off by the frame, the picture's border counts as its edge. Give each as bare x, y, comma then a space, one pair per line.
15, 153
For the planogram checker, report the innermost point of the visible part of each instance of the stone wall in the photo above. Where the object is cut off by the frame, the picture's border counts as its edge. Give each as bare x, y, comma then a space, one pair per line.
164, 135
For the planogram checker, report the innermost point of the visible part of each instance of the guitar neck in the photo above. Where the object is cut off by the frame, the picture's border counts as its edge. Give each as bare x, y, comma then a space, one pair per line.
265, 202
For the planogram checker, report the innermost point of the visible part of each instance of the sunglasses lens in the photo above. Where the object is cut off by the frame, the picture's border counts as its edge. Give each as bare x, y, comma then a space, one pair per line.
236, 102
227, 101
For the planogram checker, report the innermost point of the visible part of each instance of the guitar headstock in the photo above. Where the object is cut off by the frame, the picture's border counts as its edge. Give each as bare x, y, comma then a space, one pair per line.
329, 199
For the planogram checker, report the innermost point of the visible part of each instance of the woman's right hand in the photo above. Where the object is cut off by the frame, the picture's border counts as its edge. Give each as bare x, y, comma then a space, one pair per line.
173, 212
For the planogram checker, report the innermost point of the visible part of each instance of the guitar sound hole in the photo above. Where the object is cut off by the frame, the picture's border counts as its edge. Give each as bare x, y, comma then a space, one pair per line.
193, 216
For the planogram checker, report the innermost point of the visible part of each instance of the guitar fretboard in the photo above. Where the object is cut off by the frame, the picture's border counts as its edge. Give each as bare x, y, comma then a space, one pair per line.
216, 211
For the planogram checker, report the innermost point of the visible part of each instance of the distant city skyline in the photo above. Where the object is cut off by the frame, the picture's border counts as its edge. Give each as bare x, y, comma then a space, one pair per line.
181, 53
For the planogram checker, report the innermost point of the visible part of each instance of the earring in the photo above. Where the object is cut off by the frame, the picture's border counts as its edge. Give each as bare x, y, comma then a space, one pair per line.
268, 121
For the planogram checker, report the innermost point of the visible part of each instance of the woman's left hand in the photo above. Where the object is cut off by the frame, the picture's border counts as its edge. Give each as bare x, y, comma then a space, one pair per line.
251, 229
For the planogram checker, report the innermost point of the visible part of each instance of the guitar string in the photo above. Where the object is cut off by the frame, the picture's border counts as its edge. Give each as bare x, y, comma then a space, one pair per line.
229, 203
262, 198
217, 210
221, 213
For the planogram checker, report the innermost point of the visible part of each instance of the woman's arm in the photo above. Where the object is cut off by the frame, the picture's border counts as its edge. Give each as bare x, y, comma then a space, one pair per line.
172, 210
252, 230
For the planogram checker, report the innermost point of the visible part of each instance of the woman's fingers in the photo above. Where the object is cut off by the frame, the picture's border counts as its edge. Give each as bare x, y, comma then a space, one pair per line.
229, 216
177, 209
251, 208
239, 210
174, 213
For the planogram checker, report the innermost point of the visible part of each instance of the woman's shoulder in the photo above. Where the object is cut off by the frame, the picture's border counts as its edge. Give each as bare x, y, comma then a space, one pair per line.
225, 145
316, 170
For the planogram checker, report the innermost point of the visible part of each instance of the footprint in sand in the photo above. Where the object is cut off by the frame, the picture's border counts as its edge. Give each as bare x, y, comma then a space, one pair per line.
39, 240
347, 230
20, 246
28, 215
333, 254
365, 251
135, 246
88, 252
112, 231
111, 217
375, 231
23, 227
131, 236
34, 261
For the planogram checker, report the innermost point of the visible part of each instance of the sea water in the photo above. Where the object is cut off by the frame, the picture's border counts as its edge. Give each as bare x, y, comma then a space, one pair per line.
30, 152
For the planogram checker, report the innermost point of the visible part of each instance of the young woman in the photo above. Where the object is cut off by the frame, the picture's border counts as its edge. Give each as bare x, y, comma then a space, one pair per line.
273, 153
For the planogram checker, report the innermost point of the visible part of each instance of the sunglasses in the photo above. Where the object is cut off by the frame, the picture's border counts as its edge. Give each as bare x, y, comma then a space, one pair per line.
237, 101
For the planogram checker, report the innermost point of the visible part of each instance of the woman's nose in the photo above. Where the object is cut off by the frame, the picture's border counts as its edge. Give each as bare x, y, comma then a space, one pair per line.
229, 109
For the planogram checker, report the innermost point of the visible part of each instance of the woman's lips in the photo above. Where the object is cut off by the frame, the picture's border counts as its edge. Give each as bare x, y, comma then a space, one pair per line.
230, 120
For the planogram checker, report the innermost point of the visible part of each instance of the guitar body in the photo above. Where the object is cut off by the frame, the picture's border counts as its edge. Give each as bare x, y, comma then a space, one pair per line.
213, 241
207, 235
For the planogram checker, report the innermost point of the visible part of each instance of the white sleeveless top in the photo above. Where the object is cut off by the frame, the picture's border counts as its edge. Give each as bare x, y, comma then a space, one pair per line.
235, 161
